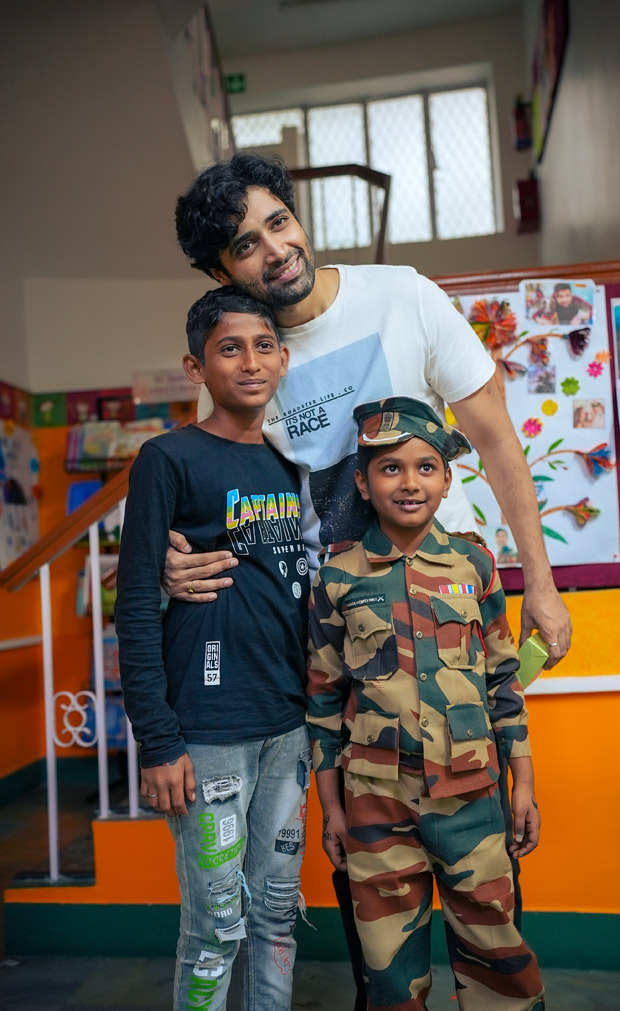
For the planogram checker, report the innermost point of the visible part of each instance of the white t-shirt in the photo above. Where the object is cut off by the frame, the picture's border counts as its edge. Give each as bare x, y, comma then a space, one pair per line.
389, 332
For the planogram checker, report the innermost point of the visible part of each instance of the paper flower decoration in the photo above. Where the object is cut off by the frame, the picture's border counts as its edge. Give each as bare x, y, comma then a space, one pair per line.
583, 512
539, 351
594, 369
570, 386
579, 340
532, 427
597, 460
602, 357
512, 369
494, 322
549, 407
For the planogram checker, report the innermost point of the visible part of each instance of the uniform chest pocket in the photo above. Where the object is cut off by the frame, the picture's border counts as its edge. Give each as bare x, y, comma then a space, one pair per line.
457, 630
370, 651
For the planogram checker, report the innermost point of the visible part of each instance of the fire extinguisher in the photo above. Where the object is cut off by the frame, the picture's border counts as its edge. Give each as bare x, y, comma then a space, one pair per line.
521, 124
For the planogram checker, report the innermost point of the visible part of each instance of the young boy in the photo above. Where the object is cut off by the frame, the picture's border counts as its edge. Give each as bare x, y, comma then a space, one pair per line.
216, 692
412, 669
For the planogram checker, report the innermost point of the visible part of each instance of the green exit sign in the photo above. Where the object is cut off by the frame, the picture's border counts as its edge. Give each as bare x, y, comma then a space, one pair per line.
235, 83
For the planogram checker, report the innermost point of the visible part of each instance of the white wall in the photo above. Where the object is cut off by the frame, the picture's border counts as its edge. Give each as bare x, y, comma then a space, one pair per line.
117, 327
580, 172
283, 78
93, 157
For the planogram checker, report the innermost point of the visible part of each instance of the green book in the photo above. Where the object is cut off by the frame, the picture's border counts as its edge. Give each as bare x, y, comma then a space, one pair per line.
533, 655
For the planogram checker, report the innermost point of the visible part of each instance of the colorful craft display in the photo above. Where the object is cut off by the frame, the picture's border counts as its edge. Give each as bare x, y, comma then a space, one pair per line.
551, 346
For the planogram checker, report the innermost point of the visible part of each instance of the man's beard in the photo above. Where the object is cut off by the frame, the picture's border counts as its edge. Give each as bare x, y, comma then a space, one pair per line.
278, 295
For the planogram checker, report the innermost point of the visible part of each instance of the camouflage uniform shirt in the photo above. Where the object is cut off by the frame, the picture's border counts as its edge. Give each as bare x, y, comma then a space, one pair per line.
412, 664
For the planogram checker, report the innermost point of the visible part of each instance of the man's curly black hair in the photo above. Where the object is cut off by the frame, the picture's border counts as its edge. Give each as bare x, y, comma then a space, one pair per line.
210, 212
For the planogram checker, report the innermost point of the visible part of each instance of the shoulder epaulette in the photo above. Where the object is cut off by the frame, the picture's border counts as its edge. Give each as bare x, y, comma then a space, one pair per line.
469, 535
331, 550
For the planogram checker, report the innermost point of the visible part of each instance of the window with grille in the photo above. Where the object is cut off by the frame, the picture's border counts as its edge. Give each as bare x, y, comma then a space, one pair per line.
434, 144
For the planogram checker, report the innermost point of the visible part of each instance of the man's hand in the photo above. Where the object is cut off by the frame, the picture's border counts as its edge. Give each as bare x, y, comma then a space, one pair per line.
334, 836
165, 787
546, 611
526, 821
192, 577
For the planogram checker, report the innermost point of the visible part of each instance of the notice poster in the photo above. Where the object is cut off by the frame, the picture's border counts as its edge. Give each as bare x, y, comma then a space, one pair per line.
19, 472
551, 346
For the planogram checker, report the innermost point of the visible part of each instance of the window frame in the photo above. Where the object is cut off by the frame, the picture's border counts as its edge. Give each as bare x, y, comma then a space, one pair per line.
424, 92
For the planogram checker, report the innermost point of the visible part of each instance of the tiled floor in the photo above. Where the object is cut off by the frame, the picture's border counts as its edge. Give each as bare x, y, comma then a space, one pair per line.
141, 984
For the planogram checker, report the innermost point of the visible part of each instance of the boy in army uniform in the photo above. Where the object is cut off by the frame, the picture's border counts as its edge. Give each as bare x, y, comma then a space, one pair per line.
412, 689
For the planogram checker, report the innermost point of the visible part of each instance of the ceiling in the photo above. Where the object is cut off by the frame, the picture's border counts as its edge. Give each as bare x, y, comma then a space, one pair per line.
246, 27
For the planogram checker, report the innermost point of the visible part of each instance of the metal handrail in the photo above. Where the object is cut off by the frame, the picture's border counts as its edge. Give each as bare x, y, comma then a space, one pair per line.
368, 175
66, 533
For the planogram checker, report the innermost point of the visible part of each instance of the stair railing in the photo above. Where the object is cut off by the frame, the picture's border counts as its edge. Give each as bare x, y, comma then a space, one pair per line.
74, 705
374, 178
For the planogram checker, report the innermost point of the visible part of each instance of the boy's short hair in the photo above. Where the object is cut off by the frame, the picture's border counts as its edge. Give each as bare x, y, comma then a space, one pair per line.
562, 286
205, 314
365, 455
210, 212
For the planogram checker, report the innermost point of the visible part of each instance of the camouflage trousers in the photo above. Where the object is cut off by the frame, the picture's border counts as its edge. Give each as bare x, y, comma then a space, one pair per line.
398, 840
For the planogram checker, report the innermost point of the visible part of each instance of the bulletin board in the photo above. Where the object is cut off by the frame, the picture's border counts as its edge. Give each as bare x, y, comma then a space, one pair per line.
554, 340
19, 471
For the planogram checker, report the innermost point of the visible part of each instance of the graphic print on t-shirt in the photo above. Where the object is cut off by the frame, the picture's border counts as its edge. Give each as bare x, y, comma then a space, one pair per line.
212, 663
312, 416
273, 517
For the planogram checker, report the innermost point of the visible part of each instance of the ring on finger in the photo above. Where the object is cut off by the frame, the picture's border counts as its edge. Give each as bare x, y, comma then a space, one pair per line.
152, 795
189, 588
551, 644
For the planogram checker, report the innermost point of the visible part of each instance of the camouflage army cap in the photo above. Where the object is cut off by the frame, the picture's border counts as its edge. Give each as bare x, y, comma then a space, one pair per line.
396, 419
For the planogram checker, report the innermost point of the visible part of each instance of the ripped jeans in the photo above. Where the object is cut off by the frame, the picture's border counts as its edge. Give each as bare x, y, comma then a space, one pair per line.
238, 858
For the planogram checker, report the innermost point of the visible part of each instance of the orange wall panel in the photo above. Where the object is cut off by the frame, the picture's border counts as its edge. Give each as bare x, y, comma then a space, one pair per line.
22, 724
575, 762
22, 719
595, 645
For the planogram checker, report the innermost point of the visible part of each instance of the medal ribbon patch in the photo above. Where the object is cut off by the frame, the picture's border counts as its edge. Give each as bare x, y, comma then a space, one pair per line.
468, 588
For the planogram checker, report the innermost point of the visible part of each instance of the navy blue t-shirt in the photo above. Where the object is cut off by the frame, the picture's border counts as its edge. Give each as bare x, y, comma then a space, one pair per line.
229, 670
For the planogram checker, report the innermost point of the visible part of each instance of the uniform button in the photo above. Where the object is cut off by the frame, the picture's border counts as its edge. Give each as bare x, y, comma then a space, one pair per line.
362, 628
419, 635
370, 739
470, 732
464, 614
425, 722
410, 561
423, 677
412, 589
